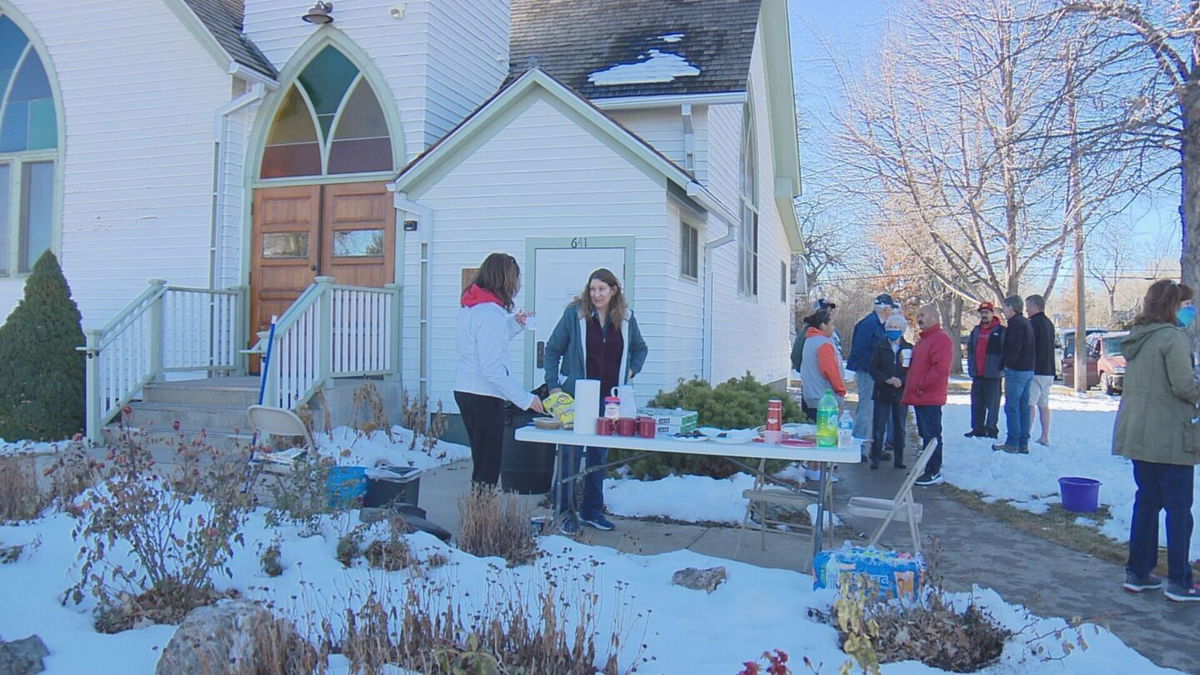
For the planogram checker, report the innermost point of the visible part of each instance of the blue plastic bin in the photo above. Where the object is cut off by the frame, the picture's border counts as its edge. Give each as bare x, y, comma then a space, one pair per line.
347, 486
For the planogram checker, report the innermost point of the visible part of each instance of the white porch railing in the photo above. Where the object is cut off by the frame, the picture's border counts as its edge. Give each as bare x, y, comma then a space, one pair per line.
165, 329
331, 331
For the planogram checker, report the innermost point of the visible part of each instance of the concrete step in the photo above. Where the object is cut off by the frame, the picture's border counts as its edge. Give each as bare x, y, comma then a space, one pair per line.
190, 416
164, 443
234, 392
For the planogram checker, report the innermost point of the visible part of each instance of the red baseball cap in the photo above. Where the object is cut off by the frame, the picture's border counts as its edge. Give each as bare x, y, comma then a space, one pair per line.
986, 305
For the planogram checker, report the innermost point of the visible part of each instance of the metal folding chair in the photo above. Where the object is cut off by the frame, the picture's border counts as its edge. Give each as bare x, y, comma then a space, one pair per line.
268, 421
902, 508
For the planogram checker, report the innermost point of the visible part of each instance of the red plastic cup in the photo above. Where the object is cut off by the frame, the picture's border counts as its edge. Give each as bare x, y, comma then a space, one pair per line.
626, 426
604, 426
646, 427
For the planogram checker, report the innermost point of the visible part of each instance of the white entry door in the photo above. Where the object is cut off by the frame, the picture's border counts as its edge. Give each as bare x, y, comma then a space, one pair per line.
559, 276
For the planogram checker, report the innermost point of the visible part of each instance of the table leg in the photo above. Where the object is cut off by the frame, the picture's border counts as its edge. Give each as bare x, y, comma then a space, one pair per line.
819, 526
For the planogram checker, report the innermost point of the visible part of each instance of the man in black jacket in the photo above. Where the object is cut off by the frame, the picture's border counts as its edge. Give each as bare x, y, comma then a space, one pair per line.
1043, 363
985, 365
1018, 376
889, 369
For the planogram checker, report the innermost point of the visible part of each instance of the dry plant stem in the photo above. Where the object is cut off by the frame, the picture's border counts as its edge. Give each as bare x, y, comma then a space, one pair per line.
369, 413
20, 498
493, 523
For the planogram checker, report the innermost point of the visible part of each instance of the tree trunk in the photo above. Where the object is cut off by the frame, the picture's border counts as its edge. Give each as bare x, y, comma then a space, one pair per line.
956, 330
1189, 259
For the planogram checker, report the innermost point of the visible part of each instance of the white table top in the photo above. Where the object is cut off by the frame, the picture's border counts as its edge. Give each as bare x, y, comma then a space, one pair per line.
665, 444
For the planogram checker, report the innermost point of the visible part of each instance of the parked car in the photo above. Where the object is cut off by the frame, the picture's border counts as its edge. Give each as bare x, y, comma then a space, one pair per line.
1066, 358
1110, 363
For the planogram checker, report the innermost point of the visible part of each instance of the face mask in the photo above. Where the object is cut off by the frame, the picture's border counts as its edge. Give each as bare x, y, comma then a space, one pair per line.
894, 335
1186, 315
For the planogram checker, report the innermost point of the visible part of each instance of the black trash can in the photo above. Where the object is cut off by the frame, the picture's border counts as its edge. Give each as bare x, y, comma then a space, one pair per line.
389, 485
525, 468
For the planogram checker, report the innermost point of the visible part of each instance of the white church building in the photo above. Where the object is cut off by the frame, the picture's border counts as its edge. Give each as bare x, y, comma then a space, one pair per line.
201, 166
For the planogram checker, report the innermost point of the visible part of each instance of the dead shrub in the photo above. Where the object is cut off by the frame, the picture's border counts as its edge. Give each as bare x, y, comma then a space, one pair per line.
20, 498
179, 528
73, 470
301, 495
494, 523
393, 553
369, 414
414, 416
280, 650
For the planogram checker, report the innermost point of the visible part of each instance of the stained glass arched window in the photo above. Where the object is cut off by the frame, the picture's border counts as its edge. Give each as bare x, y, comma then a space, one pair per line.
329, 122
28, 144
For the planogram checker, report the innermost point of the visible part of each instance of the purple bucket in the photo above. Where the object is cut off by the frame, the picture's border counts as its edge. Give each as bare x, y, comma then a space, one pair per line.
1081, 495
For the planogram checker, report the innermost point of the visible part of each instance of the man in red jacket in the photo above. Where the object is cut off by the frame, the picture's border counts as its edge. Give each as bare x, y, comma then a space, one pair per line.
925, 391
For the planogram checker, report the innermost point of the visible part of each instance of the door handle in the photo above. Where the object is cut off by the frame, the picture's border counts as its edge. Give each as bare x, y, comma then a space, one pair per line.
541, 354
313, 268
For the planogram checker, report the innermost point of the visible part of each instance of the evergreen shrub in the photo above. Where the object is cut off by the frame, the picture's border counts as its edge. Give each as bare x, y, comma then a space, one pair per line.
738, 403
42, 376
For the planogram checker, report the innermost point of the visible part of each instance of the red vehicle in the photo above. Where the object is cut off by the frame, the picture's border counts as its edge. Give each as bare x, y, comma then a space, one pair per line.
1110, 363
1067, 360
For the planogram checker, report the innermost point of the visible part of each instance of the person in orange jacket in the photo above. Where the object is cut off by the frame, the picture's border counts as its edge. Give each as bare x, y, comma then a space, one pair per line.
928, 382
821, 369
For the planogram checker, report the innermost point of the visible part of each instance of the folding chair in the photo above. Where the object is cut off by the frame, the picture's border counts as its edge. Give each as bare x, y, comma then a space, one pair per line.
902, 508
268, 421
763, 494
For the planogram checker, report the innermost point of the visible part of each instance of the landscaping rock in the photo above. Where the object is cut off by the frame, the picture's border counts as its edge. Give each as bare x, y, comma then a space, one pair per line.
22, 657
233, 637
701, 580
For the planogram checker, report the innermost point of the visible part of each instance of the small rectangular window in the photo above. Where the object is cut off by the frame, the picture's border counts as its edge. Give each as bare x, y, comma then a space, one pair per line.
285, 245
357, 243
783, 281
5, 187
37, 212
689, 254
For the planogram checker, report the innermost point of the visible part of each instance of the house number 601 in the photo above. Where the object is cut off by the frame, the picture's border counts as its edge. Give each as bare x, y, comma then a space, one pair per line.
579, 242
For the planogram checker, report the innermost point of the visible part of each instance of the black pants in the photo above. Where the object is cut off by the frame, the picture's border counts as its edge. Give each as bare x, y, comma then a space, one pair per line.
985, 406
929, 427
888, 415
483, 416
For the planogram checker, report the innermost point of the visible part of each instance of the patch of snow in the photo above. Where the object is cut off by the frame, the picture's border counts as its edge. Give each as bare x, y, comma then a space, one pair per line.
654, 66
671, 37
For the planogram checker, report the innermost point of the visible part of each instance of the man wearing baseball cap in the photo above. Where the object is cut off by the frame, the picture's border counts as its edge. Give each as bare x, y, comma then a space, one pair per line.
985, 365
867, 334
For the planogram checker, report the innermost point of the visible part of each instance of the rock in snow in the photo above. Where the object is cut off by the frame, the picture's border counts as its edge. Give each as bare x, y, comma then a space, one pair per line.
701, 580
232, 637
22, 657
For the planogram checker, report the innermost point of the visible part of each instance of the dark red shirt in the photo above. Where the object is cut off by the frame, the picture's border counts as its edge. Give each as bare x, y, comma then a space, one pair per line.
604, 347
981, 344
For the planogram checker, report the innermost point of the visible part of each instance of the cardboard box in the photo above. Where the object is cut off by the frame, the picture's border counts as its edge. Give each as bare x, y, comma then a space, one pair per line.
671, 420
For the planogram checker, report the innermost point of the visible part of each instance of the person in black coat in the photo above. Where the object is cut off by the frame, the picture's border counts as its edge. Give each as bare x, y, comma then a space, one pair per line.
985, 365
889, 368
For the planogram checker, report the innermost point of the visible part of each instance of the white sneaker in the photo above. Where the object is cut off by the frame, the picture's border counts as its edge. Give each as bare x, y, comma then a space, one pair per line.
814, 475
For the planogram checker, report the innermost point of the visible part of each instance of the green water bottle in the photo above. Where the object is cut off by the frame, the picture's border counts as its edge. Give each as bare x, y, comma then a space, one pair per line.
827, 422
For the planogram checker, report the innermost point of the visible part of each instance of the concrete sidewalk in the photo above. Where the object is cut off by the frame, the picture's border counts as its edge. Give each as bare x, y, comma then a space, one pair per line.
1049, 579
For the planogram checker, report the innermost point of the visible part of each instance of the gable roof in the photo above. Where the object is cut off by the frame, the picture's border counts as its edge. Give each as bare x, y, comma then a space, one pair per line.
667, 37
224, 20
533, 80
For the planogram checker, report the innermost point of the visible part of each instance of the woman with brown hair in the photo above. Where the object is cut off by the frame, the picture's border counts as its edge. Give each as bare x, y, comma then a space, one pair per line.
597, 338
1158, 428
483, 382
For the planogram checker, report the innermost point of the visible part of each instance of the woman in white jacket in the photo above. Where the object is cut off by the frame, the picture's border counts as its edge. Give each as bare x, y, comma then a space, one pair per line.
483, 383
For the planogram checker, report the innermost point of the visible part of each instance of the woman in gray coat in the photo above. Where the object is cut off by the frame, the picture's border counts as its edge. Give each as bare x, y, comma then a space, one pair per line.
597, 338
1158, 428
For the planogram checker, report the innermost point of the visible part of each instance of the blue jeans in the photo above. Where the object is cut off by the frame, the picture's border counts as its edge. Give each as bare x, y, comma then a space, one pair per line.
1162, 486
1016, 406
929, 427
593, 481
864, 423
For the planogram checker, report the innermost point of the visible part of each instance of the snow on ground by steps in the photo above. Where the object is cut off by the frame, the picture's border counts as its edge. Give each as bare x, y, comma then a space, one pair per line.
685, 631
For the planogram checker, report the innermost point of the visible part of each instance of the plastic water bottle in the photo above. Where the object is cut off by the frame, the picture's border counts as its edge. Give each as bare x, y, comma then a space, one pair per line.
827, 410
845, 429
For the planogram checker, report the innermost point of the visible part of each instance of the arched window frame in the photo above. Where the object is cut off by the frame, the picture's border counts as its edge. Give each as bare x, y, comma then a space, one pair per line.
12, 263
748, 207
289, 78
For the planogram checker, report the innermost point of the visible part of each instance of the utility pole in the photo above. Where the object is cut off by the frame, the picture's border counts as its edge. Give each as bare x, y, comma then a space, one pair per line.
1075, 213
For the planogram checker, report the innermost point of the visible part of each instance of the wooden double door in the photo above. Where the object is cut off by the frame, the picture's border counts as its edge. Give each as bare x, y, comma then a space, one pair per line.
346, 231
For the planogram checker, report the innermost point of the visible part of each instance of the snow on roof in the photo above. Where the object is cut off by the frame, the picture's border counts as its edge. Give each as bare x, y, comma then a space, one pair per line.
671, 37
653, 66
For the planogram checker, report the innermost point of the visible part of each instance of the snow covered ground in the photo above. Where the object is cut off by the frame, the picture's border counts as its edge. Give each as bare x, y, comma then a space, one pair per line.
688, 631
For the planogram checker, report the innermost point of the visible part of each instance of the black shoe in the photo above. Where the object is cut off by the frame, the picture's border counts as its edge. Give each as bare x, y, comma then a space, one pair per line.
885, 456
874, 464
928, 479
972, 434
900, 466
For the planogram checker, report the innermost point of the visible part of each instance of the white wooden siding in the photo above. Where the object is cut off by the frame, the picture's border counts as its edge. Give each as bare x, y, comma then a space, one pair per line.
519, 185
724, 142
750, 334
440, 60
139, 94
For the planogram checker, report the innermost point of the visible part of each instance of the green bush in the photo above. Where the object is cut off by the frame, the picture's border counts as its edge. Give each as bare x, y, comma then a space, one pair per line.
735, 404
41, 383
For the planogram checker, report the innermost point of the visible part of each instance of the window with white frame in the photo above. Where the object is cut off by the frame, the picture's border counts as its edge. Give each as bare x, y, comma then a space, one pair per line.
748, 200
689, 251
28, 150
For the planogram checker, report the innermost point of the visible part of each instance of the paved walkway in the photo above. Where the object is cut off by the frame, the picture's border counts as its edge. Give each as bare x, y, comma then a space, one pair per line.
1049, 579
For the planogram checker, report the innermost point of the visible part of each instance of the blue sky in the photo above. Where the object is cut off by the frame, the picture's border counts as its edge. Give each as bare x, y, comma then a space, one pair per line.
850, 29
